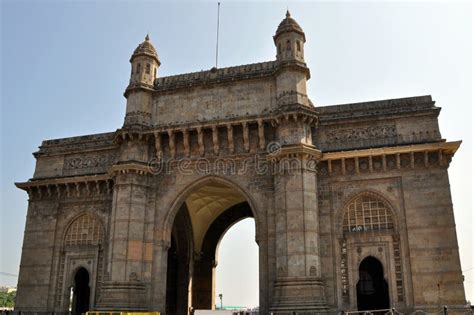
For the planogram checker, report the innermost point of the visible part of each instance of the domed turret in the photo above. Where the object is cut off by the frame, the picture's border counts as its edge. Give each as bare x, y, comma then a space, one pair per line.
293, 72
146, 49
289, 40
145, 63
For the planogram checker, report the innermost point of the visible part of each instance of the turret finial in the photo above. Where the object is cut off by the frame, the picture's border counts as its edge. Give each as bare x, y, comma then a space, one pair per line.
147, 37
288, 13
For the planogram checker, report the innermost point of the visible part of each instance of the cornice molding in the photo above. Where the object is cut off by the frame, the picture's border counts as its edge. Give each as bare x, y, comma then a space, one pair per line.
446, 147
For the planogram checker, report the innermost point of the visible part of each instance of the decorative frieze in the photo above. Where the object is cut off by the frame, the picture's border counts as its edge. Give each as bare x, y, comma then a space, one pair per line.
356, 134
92, 161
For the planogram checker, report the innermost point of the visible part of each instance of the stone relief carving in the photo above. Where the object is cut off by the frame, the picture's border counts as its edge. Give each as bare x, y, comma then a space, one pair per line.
89, 161
372, 132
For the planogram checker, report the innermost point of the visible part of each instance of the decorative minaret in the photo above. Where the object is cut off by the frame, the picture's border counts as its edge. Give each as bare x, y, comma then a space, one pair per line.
298, 286
289, 40
145, 64
293, 73
291, 80
125, 284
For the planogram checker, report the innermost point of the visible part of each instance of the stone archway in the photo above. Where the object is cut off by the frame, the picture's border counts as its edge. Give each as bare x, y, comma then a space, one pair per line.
206, 213
372, 288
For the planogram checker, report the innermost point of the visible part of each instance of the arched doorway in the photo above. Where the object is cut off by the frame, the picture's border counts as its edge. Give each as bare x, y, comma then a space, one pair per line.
81, 292
237, 271
372, 289
207, 212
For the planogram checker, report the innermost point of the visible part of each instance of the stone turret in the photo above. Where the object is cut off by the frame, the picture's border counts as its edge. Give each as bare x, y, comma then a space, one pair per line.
145, 64
289, 40
291, 78
293, 73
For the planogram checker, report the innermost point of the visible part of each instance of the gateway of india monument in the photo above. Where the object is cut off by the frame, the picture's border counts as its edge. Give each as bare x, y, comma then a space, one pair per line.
352, 203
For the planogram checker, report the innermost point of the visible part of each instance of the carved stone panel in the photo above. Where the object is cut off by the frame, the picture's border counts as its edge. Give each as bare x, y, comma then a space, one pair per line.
89, 163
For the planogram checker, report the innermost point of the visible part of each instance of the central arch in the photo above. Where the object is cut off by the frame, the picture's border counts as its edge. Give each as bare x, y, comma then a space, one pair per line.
196, 223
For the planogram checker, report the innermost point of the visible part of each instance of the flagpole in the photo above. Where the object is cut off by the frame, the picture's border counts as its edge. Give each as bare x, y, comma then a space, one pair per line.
217, 40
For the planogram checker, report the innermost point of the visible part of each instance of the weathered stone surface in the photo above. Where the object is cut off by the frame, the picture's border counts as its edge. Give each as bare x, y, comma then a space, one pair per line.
142, 208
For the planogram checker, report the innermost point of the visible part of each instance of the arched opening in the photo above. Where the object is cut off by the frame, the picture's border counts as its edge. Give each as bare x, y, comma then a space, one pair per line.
81, 292
237, 277
203, 218
372, 289
179, 261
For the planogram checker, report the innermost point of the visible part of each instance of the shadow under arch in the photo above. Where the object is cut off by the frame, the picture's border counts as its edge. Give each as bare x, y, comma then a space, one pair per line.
172, 210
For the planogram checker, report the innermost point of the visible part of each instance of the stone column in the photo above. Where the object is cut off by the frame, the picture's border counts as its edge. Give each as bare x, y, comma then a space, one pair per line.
124, 286
203, 287
298, 285
159, 275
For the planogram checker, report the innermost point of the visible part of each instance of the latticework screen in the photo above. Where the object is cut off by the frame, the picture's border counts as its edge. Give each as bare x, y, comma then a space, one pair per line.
367, 213
85, 230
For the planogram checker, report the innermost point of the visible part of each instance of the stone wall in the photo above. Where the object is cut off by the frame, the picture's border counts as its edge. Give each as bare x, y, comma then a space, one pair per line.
225, 101
377, 124
434, 257
390, 149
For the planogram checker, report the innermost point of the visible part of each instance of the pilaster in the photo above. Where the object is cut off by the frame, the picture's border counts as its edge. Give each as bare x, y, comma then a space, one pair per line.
126, 282
298, 284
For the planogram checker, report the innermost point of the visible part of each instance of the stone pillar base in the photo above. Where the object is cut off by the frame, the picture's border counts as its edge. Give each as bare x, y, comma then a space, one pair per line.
299, 294
122, 296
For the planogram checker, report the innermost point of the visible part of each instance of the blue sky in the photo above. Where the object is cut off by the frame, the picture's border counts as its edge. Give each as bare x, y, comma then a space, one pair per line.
64, 67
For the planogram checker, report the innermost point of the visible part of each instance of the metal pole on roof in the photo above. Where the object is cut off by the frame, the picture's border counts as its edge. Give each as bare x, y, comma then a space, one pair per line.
217, 40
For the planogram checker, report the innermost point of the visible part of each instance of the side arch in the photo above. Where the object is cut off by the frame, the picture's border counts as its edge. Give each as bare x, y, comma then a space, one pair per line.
83, 234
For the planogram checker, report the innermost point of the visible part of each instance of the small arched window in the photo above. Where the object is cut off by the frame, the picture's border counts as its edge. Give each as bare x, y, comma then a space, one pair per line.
84, 230
139, 68
279, 48
367, 213
154, 75
298, 46
288, 45
148, 68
